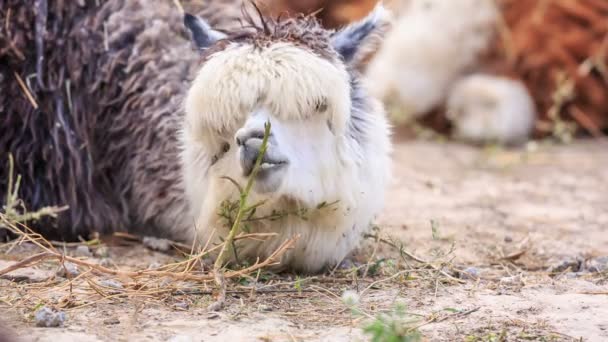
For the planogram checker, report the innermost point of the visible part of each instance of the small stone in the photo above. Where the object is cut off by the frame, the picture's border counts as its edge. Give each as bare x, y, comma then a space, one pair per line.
346, 264
68, 270
572, 275
469, 273
216, 306
111, 283
49, 318
156, 244
180, 338
597, 265
508, 239
263, 307
513, 280
105, 262
155, 265
111, 321
574, 264
181, 305
83, 251
102, 252
213, 315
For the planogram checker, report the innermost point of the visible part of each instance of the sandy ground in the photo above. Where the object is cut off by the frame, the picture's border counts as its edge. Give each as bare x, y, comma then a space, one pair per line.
530, 226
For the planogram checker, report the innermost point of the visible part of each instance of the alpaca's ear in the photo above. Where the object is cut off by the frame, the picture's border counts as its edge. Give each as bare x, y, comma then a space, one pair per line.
202, 34
358, 42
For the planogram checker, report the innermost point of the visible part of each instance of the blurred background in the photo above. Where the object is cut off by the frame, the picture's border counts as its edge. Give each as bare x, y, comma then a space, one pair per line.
486, 71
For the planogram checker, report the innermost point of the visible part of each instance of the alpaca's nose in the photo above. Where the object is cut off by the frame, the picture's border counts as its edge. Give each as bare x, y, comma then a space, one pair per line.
250, 140
245, 134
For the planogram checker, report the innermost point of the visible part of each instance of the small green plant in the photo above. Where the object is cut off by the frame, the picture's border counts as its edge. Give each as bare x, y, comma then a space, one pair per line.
396, 326
435, 229
298, 284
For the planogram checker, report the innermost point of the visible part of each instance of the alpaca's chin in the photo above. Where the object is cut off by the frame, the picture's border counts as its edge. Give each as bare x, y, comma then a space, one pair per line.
270, 177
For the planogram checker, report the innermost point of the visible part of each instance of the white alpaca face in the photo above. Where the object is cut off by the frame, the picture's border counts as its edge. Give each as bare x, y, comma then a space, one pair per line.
328, 140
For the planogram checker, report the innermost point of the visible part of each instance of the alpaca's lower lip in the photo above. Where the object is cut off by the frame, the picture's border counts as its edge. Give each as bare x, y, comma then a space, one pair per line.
268, 169
267, 165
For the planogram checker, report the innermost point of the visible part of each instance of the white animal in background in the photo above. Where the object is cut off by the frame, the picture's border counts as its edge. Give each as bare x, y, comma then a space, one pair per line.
487, 108
329, 139
432, 44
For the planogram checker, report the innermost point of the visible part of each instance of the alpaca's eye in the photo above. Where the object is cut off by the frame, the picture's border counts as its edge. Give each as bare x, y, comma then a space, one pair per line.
321, 105
226, 147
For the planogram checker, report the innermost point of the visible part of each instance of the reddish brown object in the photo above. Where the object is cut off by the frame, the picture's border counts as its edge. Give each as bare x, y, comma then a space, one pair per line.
547, 43
333, 13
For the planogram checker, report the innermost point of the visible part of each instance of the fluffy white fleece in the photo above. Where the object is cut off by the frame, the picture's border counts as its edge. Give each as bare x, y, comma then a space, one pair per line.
486, 108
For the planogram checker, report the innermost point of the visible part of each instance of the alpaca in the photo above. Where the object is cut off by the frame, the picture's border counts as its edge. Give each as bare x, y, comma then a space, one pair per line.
329, 140
432, 44
486, 108
427, 63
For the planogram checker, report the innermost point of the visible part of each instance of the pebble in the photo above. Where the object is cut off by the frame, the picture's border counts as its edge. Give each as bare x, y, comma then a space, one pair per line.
181, 305
155, 265
67, 270
111, 321
574, 264
263, 307
180, 338
82, 251
598, 265
162, 245
102, 252
470, 273
346, 264
49, 318
111, 283
105, 262
513, 280
508, 239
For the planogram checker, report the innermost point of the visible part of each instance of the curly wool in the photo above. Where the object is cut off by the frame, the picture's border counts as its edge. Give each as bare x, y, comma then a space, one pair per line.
104, 72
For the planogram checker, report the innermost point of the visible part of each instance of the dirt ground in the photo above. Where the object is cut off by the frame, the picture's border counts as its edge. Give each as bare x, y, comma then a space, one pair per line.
529, 226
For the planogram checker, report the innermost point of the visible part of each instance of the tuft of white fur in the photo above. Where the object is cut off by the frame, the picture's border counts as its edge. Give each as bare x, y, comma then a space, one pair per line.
234, 82
486, 108
431, 44
241, 88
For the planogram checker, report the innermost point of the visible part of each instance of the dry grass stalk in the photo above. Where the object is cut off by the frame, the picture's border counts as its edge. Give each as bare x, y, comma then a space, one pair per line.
26, 91
14, 210
49, 252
